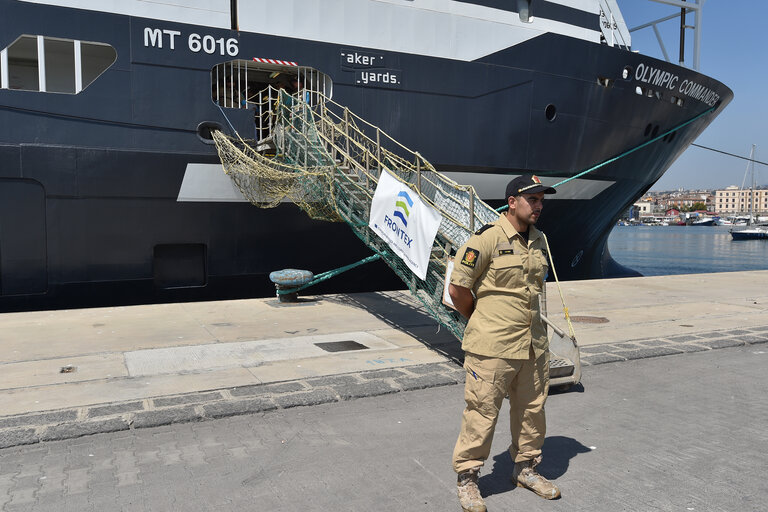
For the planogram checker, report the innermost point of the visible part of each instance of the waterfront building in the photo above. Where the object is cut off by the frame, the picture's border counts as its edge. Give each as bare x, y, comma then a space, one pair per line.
732, 200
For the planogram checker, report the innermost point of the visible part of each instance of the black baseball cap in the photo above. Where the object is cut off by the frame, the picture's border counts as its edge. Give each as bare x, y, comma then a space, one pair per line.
527, 184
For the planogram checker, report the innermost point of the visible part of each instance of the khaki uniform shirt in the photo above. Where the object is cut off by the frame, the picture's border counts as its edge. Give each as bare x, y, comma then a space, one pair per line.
506, 274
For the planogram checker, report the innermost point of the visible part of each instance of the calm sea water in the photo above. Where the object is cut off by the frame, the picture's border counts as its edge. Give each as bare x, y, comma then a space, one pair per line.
665, 250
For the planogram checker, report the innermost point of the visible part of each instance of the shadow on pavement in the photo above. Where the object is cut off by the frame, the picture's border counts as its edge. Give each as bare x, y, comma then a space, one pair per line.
559, 390
403, 312
557, 453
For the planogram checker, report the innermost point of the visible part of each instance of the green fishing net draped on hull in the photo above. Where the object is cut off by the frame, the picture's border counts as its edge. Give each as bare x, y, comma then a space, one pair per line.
327, 161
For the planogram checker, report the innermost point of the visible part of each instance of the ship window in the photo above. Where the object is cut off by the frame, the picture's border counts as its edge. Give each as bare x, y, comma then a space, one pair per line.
47, 64
59, 66
22, 64
97, 57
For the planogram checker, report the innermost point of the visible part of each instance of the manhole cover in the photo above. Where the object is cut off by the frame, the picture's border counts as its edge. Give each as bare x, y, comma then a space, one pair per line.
341, 346
590, 319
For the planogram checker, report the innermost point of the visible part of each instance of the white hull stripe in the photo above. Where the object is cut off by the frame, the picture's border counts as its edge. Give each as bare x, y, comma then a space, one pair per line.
437, 28
208, 183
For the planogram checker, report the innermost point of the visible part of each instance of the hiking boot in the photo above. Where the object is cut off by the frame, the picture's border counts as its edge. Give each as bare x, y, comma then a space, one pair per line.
525, 475
469, 493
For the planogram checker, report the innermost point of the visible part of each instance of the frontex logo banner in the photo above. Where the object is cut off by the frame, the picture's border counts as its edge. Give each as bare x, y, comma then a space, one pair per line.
404, 222
403, 207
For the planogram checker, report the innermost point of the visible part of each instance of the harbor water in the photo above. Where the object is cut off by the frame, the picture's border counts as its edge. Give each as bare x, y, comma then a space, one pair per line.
667, 250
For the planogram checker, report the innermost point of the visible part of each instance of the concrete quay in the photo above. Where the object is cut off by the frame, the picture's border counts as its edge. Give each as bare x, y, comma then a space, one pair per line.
70, 373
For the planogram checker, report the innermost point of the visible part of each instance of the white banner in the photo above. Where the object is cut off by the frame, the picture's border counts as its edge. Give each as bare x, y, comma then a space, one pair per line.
405, 222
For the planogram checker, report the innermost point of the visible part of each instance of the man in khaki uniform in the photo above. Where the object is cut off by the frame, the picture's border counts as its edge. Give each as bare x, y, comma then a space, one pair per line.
497, 278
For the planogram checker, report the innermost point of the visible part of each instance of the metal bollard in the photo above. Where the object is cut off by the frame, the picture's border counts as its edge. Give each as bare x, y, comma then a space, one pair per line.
288, 279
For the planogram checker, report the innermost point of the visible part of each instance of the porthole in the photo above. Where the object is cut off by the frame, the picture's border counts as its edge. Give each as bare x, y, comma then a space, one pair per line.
626, 73
655, 132
550, 112
648, 129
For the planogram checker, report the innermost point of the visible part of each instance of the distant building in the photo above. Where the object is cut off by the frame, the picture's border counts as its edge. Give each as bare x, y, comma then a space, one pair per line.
687, 200
642, 208
735, 201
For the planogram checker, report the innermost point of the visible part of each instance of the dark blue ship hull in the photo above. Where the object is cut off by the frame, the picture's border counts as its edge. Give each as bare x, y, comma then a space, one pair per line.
89, 182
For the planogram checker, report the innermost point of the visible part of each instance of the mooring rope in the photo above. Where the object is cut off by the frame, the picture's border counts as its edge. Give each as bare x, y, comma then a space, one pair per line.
329, 274
646, 143
587, 171
625, 153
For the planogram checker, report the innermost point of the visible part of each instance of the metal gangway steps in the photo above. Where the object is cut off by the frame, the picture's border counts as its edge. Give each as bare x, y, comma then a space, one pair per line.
322, 157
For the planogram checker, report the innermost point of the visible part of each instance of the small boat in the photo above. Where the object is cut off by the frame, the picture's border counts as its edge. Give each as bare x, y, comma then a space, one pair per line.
750, 233
704, 221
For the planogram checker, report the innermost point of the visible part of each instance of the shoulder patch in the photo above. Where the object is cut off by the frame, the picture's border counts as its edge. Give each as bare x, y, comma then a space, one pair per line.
470, 257
483, 229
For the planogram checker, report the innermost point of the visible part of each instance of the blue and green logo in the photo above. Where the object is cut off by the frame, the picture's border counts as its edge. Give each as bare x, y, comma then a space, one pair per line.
401, 208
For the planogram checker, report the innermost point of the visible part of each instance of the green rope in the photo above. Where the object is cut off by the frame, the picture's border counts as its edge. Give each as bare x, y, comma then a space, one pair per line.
329, 274
629, 151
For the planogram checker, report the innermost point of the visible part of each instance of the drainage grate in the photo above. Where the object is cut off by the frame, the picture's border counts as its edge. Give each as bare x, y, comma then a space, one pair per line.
590, 319
341, 346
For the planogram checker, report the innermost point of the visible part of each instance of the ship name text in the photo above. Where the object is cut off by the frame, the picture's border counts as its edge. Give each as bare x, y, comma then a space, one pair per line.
370, 69
159, 38
661, 78
398, 231
361, 60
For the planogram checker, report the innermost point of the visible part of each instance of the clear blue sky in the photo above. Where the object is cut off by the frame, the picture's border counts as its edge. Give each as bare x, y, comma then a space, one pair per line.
733, 51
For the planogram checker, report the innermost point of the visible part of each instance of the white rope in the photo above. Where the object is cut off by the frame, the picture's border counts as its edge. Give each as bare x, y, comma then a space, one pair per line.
562, 297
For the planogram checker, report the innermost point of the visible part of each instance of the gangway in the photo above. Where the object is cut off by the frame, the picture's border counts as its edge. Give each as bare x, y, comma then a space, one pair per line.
328, 161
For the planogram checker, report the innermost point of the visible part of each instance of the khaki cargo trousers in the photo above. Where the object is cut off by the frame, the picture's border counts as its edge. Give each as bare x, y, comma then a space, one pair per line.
489, 380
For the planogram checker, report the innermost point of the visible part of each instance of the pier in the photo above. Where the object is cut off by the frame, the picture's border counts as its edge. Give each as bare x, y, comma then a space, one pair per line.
70, 372
184, 367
